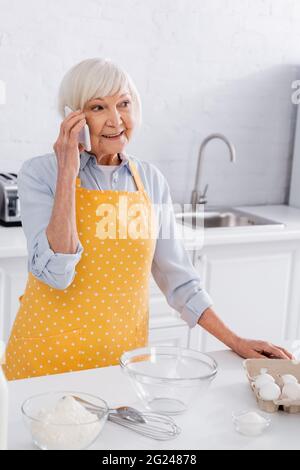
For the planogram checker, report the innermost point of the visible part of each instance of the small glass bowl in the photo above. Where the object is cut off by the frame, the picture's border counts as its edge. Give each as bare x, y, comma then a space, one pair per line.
249, 428
168, 379
49, 436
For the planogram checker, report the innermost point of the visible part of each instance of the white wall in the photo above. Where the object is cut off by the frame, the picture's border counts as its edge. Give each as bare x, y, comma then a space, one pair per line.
201, 66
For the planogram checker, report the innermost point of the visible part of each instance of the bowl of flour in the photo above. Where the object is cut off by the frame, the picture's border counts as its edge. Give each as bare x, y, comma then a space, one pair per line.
57, 421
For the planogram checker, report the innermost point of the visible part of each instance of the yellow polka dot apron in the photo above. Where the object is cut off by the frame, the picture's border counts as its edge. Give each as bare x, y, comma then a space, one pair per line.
104, 312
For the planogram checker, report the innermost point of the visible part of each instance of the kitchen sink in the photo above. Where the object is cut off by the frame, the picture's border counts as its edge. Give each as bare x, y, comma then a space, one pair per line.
221, 217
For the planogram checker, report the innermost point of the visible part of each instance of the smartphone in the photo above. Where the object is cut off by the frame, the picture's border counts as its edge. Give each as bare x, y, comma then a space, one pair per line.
84, 137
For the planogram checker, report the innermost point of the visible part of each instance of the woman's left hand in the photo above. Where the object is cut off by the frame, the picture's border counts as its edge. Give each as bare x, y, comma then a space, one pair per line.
252, 349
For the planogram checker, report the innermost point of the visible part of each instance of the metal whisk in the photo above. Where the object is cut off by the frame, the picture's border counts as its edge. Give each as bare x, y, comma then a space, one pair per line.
152, 425
160, 428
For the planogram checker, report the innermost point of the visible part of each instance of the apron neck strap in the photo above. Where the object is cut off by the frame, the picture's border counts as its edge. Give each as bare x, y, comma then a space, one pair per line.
136, 176
134, 172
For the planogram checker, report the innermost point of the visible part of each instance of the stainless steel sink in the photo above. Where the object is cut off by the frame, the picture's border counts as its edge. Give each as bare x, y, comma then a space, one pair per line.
220, 217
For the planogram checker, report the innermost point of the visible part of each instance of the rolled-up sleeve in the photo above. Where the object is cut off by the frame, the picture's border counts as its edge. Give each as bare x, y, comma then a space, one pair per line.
36, 200
172, 268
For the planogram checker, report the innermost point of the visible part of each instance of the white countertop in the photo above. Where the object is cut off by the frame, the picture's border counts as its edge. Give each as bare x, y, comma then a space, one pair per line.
13, 241
207, 425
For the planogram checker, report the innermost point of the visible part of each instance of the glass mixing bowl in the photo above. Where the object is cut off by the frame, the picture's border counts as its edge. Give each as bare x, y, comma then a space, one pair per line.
65, 433
168, 379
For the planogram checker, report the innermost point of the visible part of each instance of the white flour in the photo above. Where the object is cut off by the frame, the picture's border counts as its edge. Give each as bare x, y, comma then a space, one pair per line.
68, 426
251, 423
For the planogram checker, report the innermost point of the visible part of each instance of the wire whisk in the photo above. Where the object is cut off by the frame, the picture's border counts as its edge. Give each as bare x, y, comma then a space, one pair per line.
158, 427
152, 425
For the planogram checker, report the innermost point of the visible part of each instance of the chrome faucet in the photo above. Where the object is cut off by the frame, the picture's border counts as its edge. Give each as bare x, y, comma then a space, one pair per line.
197, 197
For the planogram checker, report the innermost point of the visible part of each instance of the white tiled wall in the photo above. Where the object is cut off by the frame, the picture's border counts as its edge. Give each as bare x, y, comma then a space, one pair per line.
201, 66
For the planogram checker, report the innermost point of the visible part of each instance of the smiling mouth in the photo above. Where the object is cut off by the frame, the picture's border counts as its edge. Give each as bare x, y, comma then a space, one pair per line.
113, 136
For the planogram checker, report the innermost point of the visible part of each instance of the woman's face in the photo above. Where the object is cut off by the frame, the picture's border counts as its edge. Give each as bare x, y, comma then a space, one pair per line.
107, 116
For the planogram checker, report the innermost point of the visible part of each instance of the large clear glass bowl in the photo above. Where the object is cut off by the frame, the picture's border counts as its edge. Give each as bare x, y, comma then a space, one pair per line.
47, 435
168, 379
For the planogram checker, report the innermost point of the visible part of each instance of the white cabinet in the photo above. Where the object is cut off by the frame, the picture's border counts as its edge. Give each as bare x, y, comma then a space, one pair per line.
166, 326
160, 311
255, 289
169, 336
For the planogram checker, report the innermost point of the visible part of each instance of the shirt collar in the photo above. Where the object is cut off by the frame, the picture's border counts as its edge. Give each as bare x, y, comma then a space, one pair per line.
86, 157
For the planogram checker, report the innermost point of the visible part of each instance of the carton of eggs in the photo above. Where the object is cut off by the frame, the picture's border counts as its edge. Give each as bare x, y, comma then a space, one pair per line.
276, 384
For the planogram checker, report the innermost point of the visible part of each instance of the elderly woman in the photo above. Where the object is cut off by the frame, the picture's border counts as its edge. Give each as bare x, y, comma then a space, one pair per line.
86, 298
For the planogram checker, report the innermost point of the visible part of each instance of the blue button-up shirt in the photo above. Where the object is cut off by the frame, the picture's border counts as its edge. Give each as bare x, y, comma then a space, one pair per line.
171, 266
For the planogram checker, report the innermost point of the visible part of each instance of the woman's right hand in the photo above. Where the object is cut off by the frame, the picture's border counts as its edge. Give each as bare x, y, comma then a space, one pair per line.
67, 147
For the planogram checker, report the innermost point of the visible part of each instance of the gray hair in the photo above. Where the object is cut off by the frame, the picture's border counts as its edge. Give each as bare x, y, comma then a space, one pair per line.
94, 78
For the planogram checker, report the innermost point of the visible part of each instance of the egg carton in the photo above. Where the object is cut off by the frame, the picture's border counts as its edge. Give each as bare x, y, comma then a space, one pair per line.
276, 368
